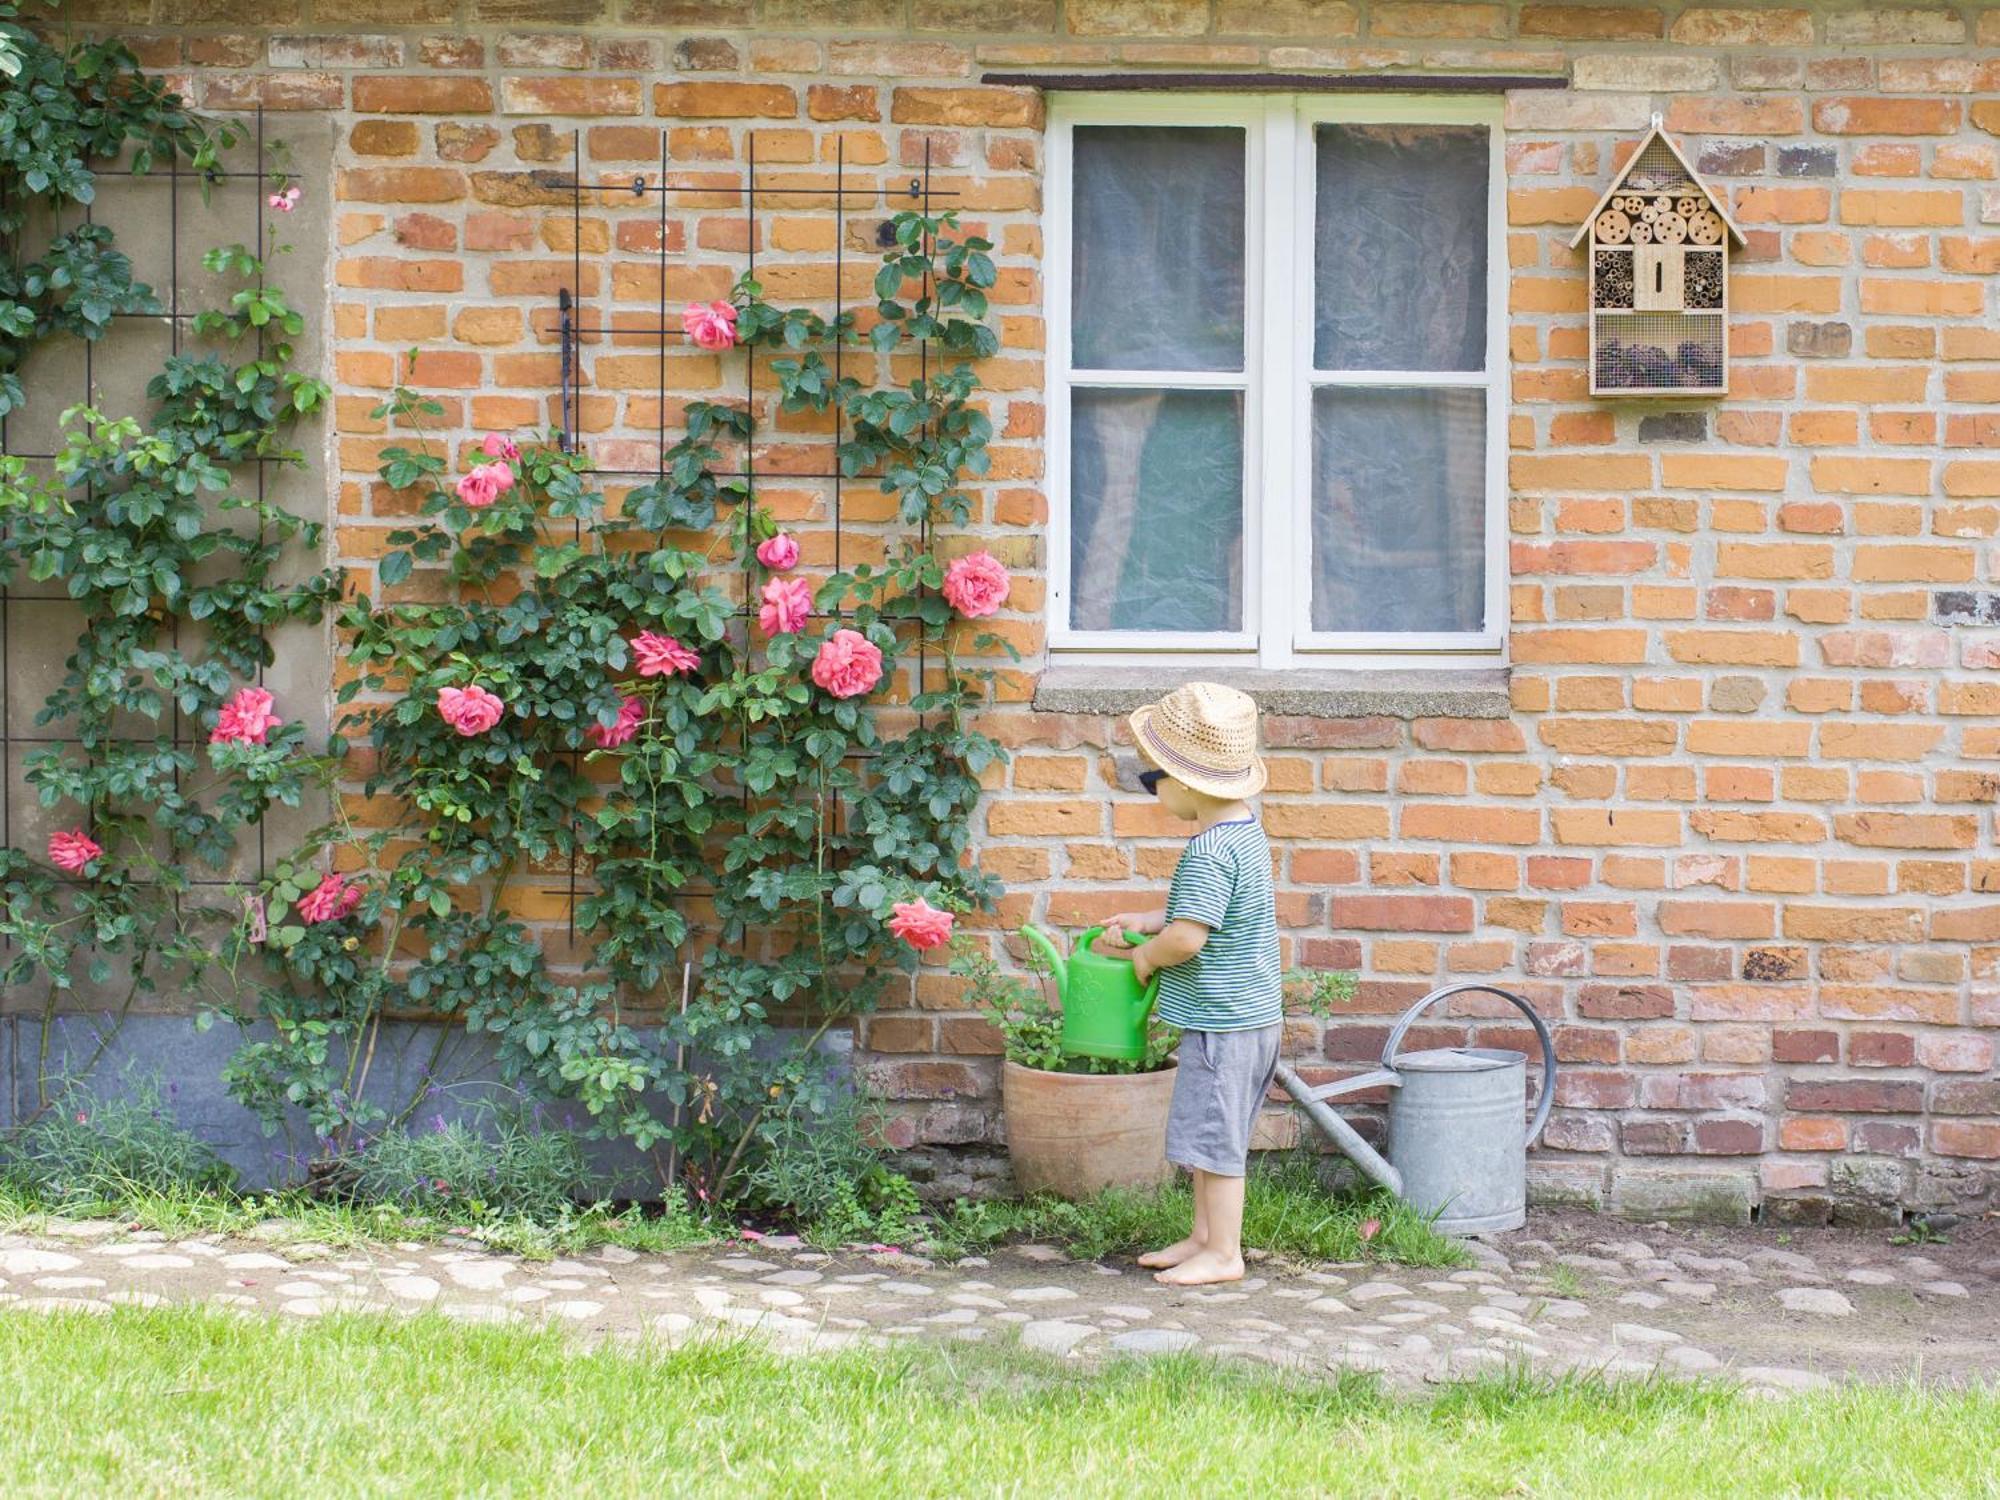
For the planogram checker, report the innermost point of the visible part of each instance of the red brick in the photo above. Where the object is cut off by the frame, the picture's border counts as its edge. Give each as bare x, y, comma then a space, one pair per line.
1397, 913
725, 101
1854, 1096
422, 95
1886, 116
1795, 1046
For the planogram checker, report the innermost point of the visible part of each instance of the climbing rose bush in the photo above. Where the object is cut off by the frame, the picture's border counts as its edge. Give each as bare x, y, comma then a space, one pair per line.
758, 795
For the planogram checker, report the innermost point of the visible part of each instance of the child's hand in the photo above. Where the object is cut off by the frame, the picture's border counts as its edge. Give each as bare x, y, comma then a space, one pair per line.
1144, 970
1136, 921
1111, 943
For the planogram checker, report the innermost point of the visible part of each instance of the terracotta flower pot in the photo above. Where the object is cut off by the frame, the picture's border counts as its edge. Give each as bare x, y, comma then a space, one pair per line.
1075, 1134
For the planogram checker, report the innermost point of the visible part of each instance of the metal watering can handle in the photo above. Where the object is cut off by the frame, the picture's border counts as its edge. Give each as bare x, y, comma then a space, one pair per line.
1548, 1091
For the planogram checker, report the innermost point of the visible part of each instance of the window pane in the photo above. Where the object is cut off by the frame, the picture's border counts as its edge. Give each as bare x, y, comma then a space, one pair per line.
1398, 509
1156, 510
1157, 275
1400, 257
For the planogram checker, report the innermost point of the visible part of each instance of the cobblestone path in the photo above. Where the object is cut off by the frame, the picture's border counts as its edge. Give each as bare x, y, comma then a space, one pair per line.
1569, 1293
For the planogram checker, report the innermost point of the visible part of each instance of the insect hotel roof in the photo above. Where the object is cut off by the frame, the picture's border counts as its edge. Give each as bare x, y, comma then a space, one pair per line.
1658, 136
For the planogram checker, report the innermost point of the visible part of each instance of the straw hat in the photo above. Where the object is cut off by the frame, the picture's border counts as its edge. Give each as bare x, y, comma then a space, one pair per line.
1204, 735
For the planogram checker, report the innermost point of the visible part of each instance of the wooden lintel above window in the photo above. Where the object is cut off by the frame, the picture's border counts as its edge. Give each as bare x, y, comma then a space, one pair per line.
1312, 83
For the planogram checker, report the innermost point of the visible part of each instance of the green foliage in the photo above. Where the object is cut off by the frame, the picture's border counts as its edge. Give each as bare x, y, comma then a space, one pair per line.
822, 1173
88, 1150
1322, 992
502, 1166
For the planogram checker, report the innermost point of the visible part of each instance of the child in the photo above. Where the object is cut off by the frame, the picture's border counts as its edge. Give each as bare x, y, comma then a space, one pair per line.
1216, 952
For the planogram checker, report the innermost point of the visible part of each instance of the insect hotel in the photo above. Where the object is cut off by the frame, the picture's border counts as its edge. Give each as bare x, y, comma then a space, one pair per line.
1659, 282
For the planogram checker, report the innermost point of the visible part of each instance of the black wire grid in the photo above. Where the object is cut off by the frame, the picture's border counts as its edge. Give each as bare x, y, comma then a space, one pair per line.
574, 328
178, 178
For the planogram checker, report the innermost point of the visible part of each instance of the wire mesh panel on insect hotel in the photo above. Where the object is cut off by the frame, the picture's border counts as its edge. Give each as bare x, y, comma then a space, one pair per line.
1659, 279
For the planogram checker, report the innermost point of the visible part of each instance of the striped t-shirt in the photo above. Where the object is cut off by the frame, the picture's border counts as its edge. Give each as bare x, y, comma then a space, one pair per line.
1223, 881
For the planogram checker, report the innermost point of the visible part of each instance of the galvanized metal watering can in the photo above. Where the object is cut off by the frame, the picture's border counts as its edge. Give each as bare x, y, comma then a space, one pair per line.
1458, 1127
1105, 1008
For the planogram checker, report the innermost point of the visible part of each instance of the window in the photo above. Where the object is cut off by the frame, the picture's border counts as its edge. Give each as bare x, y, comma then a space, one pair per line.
1276, 350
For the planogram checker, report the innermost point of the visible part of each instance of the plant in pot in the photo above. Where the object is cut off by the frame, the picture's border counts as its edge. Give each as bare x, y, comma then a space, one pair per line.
1075, 1125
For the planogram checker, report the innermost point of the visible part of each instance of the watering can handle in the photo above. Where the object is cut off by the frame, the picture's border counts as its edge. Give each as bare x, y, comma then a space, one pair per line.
1133, 940
1548, 1091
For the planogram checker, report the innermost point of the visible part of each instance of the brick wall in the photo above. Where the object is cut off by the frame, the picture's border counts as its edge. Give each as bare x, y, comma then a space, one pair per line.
1737, 834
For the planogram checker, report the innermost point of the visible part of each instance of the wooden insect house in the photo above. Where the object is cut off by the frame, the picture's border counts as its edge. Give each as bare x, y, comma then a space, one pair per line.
1659, 279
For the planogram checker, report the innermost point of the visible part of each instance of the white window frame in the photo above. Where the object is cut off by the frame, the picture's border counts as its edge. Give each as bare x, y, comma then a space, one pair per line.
1277, 381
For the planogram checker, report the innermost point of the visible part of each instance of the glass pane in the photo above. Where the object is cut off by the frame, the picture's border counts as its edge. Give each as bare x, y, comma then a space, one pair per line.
1398, 509
1400, 247
1157, 274
1156, 510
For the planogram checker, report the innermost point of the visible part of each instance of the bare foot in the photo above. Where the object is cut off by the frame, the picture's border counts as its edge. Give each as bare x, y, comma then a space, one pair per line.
1173, 1255
1203, 1268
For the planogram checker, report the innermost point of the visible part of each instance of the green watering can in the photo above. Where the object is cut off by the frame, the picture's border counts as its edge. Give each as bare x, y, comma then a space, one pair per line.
1105, 1008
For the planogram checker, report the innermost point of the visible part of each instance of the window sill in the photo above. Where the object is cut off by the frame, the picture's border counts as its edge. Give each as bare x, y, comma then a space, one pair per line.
1306, 693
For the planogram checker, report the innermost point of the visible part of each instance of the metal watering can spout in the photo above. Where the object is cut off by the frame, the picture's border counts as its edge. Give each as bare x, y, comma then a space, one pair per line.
1337, 1130
1058, 965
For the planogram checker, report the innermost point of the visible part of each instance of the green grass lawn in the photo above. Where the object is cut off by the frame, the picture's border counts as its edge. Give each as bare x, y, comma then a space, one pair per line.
185, 1402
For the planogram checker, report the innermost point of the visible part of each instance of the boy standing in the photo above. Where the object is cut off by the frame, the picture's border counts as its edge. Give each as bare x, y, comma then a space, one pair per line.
1215, 948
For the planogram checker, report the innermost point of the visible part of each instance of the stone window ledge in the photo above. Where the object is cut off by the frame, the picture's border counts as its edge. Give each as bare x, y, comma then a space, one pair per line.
1308, 693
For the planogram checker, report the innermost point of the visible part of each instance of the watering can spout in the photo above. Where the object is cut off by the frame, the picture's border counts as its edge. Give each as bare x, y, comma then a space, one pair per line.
1058, 965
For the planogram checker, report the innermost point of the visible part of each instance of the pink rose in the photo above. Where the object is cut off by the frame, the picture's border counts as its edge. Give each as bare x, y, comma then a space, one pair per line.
921, 925
631, 714
780, 552
73, 850
712, 325
286, 201
470, 710
245, 719
848, 664
485, 484
787, 606
498, 446
329, 901
976, 584
662, 655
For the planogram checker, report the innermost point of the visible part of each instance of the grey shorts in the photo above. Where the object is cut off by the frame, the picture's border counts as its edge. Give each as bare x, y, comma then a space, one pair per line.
1218, 1089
